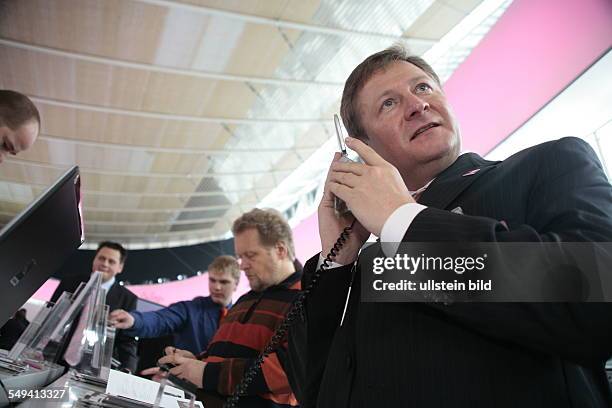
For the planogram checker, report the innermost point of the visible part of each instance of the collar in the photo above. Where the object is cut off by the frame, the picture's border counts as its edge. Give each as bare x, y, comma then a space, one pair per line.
287, 283
455, 179
420, 190
107, 285
211, 302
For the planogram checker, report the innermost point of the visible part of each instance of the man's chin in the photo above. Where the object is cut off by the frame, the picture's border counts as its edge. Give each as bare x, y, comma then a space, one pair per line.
106, 277
437, 150
256, 286
217, 300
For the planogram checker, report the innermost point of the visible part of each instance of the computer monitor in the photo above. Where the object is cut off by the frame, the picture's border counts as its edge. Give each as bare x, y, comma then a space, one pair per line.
36, 243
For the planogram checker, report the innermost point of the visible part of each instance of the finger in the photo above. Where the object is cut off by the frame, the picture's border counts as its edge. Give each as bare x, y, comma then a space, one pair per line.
170, 350
347, 179
150, 371
364, 151
327, 196
167, 359
178, 370
115, 313
336, 158
180, 359
349, 167
340, 190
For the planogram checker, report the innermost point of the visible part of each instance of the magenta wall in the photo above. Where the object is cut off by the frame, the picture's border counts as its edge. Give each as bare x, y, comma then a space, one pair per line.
535, 50
306, 238
175, 291
163, 293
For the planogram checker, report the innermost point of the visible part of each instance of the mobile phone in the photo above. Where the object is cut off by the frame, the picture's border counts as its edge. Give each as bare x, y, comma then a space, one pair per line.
340, 207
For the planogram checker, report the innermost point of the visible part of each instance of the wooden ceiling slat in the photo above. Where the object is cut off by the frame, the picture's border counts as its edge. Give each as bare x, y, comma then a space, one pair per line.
130, 130
123, 29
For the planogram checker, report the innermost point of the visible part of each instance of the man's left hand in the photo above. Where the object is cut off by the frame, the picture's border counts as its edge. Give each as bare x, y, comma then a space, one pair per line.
186, 368
372, 191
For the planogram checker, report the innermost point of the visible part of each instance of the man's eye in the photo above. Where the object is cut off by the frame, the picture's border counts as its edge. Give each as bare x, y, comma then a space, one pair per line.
423, 88
387, 103
248, 256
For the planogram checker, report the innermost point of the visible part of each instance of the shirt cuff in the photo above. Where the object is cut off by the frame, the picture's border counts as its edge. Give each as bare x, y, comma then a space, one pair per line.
331, 264
397, 224
137, 326
210, 376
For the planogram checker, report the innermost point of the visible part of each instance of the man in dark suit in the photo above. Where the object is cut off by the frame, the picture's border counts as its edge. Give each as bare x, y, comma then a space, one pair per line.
110, 260
414, 187
13, 329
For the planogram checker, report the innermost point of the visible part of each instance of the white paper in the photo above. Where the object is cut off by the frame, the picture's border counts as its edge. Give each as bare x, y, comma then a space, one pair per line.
184, 403
170, 397
129, 386
173, 392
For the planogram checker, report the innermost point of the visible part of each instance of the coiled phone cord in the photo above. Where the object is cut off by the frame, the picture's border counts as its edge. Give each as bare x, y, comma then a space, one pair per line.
296, 310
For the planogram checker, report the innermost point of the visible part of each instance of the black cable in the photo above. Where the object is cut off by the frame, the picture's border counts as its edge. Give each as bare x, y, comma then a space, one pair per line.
297, 309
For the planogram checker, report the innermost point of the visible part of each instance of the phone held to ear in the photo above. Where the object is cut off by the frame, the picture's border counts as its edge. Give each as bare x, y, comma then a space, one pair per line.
340, 207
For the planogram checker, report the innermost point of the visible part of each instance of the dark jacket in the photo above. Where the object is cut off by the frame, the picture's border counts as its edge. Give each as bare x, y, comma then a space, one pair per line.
470, 355
12, 331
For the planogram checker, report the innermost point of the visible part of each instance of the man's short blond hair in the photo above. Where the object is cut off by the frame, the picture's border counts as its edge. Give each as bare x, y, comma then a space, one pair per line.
270, 224
226, 263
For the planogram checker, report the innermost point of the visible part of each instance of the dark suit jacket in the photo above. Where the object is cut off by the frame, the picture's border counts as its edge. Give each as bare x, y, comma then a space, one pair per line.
470, 354
118, 297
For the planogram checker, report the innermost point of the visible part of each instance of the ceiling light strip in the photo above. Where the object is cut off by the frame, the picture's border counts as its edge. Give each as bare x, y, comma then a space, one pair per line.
147, 194
148, 174
155, 149
151, 235
152, 223
168, 116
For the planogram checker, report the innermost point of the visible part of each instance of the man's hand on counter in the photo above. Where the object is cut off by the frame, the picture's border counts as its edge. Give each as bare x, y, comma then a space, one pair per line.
121, 319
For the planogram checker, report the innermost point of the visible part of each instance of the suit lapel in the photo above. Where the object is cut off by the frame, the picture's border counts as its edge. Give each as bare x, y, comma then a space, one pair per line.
455, 179
112, 296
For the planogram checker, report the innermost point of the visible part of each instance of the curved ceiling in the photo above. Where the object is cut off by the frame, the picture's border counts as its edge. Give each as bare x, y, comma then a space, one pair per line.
182, 115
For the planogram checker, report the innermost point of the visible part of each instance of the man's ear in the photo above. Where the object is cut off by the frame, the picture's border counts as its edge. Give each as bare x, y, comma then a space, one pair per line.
120, 268
281, 250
